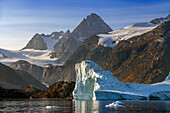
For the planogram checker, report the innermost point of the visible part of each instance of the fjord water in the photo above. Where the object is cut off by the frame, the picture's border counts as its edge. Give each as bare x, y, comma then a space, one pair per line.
69, 106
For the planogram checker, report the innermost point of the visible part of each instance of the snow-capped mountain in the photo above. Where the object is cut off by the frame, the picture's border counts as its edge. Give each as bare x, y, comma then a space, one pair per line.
46, 49
92, 24
44, 42
112, 38
36, 51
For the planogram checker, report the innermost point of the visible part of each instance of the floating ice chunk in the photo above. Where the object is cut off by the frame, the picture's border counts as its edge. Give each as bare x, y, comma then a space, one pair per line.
115, 104
50, 107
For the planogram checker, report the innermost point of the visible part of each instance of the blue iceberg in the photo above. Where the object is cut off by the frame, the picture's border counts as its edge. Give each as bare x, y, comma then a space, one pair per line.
93, 83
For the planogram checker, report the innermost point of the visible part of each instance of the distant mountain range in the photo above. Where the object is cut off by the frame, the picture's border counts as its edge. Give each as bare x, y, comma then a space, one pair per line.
137, 53
56, 47
142, 58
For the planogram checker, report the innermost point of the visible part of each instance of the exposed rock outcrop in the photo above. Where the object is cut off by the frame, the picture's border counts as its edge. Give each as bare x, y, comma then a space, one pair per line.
38, 72
58, 45
160, 20
43, 42
36, 43
57, 90
12, 79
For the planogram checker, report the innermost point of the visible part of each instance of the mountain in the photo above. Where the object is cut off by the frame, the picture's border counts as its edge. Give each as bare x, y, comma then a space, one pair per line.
112, 38
44, 42
93, 24
143, 58
88, 50
139, 59
108, 51
46, 49
160, 20
59, 44
11, 79
38, 72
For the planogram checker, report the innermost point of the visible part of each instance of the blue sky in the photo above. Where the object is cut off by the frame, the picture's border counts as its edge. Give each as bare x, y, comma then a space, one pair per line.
21, 19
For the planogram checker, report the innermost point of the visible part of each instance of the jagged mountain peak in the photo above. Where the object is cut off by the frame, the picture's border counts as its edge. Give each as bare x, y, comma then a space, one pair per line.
93, 15
160, 20
44, 41
92, 24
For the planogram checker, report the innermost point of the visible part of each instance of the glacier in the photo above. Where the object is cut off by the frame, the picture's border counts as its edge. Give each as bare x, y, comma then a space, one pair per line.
112, 38
93, 83
37, 57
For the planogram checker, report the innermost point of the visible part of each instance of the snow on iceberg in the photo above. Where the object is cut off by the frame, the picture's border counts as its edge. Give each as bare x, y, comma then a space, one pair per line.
94, 83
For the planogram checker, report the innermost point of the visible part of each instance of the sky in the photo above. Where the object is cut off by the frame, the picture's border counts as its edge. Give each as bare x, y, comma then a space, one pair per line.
21, 19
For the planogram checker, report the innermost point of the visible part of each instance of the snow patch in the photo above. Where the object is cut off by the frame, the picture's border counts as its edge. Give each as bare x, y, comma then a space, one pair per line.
113, 37
50, 42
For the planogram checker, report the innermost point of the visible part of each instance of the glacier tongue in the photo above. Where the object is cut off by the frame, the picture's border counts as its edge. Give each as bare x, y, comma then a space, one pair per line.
94, 83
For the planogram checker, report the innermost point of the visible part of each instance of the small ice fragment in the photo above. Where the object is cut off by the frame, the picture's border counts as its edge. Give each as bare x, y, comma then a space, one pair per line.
49, 107
115, 104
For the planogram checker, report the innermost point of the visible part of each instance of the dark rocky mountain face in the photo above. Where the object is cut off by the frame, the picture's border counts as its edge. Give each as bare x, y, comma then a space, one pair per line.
59, 44
10, 79
36, 43
35, 71
38, 72
141, 59
17, 79
56, 35
159, 20
57, 90
93, 24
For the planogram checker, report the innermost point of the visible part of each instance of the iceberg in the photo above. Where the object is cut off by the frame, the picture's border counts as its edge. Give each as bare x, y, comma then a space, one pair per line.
115, 104
93, 83
50, 107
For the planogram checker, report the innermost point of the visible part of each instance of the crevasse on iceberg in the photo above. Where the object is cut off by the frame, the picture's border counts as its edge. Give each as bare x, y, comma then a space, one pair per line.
94, 83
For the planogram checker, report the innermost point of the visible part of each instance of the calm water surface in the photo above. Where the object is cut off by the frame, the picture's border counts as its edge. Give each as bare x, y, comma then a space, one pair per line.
68, 106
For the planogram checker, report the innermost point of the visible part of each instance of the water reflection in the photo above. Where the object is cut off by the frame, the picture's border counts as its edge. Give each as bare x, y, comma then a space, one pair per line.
86, 106
69, 106
129, 107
